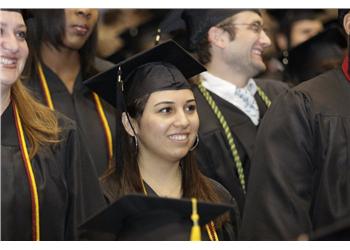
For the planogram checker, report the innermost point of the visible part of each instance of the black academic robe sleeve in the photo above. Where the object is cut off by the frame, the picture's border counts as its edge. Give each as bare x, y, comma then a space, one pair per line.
68, 189
279, 192
300, 176
54, 168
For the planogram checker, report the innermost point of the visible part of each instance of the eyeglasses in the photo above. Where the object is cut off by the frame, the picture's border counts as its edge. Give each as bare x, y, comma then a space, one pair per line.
256, 27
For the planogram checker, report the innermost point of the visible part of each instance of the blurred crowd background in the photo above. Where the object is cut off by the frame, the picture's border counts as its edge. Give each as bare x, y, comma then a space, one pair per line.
305, 42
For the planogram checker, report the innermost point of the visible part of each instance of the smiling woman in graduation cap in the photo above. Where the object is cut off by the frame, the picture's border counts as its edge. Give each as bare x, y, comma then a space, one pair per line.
160, 120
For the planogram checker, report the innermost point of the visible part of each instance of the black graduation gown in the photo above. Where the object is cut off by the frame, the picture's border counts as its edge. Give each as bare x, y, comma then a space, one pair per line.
300, 176
81, 108
213, 152
64, 181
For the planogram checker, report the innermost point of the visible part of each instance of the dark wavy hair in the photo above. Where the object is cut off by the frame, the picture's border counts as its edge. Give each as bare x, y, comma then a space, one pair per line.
48, 26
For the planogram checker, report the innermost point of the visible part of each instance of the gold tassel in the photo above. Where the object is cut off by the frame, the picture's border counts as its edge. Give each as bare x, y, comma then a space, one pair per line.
157, 37
196, 230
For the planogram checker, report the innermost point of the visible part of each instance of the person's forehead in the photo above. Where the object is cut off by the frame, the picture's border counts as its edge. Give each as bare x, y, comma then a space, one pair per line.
307, 23
247, 17
168, 95
11, 17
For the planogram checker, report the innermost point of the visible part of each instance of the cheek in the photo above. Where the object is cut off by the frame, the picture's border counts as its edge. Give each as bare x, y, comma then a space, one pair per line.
25, 51
151, 126
24, 56
195, 121
94, 18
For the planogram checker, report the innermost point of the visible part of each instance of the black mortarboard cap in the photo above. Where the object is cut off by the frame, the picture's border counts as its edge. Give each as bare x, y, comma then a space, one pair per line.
140, 217
286, 17
339, 230
316, 55
197, 22
163, 67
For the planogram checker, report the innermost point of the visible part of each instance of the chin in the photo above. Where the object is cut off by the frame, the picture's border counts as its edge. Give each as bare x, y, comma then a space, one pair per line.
259, 68
178, 155
75, 45
7, 81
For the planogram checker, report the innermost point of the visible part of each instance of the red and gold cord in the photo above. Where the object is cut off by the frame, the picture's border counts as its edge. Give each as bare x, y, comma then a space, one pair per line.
30, 175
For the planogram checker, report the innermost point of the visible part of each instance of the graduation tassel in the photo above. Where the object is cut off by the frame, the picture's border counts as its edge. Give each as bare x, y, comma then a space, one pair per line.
157, 37
119, 126
196, 230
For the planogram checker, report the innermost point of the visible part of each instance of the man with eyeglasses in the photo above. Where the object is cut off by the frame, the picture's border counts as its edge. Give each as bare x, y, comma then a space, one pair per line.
230, 43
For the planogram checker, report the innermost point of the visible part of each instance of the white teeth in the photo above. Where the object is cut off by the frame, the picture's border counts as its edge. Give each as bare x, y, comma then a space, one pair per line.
178, 137
258, 52
6, 61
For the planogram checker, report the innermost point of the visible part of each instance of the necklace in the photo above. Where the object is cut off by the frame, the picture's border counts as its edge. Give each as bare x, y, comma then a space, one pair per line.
227, 129
30, 176
210, 227
99, 109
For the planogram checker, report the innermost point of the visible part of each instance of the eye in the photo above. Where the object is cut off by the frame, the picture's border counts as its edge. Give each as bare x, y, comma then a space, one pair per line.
256, 27
191, 108
2, 31
22, 35
165, 110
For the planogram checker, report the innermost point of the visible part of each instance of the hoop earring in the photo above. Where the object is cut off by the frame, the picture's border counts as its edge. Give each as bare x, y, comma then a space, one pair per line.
136, 142
195, 144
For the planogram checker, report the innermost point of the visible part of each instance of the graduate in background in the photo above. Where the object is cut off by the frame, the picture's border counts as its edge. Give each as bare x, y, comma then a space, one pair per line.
63, 44
300, 176
230, 43
42, 195
160, 120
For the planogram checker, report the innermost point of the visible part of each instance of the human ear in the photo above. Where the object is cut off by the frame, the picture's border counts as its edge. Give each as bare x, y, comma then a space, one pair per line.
131, 129
216, 37
346, 23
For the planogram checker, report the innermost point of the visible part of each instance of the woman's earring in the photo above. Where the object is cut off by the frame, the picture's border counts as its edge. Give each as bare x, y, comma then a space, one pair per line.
195, 144
136, 142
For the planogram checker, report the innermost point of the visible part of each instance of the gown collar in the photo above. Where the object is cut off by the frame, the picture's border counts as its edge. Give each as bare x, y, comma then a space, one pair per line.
8, 128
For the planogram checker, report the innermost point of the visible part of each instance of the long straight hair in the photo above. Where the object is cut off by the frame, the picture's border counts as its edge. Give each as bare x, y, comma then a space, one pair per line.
40, 124
119, 182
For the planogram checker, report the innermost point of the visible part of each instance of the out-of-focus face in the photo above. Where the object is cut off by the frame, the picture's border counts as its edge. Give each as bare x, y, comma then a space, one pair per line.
303, 30
13, 46
245, 51
168, 126
79, 26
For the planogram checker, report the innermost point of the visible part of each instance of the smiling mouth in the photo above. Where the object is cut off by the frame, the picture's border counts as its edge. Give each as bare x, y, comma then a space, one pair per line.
179, 137
9, 62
